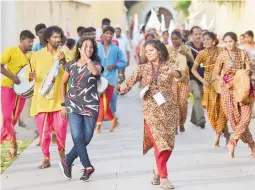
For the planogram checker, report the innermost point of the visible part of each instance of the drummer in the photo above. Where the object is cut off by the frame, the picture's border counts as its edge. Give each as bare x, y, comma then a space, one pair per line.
12, 60
47, 111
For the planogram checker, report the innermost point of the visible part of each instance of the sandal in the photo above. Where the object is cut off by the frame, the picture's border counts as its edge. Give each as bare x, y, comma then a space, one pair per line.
155, 179
166, 184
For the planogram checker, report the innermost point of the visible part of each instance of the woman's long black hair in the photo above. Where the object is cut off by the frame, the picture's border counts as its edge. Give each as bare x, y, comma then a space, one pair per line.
94, 57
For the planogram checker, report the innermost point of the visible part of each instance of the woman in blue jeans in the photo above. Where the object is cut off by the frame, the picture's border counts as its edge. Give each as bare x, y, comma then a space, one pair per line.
81, 104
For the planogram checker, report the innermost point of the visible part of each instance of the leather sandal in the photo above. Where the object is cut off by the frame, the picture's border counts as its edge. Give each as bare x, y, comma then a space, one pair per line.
166, 184
155, 179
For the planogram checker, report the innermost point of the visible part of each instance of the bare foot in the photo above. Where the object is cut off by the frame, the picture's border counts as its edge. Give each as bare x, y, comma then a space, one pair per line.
231, 149
114, 125
252, 153
13, 150
227, 141
45, 164
98, 130
62, 155
217, 141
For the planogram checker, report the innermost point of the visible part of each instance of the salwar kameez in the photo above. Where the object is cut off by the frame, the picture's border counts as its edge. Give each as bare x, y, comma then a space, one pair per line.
238, 114
160, 157
182, 86
183, 95
160, 121
211, 99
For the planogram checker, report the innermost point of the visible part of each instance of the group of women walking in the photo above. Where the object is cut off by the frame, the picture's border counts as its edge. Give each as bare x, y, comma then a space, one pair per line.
165, 78
165, 100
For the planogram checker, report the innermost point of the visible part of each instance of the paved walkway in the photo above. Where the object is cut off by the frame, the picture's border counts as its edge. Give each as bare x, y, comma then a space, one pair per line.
120, 165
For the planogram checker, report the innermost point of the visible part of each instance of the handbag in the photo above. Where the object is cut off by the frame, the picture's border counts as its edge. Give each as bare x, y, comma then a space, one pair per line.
242, 83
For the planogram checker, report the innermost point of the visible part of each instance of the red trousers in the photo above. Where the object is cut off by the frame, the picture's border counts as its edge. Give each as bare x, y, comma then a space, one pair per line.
46, 123
12, 106
104, 107
160, 157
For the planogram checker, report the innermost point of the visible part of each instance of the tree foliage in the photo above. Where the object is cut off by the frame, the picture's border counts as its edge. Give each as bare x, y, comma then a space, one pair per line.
183, 7
234, 4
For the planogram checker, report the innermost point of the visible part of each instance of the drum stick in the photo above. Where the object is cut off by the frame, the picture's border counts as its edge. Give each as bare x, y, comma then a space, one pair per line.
30, 66
193, 49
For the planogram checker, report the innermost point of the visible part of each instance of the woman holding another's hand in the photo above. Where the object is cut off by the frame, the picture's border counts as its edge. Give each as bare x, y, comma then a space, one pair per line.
160, 106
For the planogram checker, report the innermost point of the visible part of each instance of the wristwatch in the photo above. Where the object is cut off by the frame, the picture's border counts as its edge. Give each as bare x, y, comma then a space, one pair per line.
63, 104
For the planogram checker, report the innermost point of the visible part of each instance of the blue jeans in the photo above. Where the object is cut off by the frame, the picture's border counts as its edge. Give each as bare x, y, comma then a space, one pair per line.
114, 101
82, 130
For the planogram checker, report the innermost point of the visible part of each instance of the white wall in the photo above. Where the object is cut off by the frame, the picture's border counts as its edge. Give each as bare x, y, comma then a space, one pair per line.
8, 24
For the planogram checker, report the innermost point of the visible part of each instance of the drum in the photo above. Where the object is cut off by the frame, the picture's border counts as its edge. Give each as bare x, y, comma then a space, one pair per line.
102, 85
215, 82
46, 89
25, 88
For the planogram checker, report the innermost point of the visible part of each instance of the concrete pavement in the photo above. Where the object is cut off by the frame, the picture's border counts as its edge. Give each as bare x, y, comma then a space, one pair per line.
120, 165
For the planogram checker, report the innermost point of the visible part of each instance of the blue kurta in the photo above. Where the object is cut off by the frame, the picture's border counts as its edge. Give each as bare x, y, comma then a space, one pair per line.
114, 56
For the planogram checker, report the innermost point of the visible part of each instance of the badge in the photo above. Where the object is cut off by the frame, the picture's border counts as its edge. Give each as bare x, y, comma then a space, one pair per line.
159, 98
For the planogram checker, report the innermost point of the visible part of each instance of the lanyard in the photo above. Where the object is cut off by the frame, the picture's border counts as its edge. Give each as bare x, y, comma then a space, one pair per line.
155, 74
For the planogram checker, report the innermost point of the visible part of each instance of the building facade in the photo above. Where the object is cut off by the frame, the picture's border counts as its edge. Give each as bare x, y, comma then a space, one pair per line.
237, 17
68, 14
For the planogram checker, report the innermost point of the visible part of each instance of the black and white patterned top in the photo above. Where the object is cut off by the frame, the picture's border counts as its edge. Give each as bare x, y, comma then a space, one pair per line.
82, 97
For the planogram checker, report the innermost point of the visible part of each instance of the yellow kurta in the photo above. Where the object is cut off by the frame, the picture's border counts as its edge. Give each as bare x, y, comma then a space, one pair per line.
14, 59
211, 98
42, 62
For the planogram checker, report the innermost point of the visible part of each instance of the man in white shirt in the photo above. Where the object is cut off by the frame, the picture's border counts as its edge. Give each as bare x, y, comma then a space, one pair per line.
125, 47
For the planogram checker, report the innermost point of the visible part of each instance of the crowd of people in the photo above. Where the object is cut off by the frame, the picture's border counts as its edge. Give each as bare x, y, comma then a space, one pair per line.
170, 67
